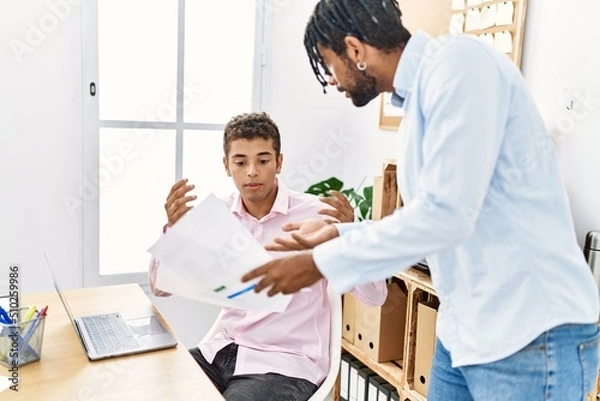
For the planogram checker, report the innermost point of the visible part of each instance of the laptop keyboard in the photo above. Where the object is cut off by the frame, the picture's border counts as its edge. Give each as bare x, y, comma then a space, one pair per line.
109, 333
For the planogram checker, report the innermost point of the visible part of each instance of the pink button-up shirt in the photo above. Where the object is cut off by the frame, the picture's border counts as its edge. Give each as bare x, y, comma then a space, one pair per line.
294, 343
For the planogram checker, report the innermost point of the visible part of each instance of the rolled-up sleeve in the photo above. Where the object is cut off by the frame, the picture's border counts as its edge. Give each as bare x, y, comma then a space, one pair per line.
343, 228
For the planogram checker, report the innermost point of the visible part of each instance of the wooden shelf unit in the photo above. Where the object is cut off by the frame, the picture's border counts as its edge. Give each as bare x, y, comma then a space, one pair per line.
434, 17
410, 395
420, 289
390, 371
417, 278
595, 395
400, 374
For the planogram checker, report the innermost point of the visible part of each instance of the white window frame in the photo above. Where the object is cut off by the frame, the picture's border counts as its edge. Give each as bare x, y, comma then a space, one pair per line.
92, 124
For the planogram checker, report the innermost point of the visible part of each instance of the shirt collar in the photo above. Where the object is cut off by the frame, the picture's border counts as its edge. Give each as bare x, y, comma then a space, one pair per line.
406, 70
281, 204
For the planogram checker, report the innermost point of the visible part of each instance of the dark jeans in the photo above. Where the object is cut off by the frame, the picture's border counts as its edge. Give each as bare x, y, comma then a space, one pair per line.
257, 387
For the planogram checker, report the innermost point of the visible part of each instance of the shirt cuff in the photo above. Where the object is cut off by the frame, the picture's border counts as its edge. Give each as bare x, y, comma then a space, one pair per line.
343, 228
333, 267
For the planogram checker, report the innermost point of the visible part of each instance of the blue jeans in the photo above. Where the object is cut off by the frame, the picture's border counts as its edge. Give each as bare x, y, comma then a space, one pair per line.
559, 365
268, 386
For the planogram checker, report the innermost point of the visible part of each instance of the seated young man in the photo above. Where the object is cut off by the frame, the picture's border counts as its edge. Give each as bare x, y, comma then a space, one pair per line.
265, 355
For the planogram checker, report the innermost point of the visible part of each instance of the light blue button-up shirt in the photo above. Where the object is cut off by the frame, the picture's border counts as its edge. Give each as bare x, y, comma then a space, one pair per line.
485, 204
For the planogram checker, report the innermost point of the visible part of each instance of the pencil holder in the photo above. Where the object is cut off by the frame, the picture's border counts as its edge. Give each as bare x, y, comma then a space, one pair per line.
21, 342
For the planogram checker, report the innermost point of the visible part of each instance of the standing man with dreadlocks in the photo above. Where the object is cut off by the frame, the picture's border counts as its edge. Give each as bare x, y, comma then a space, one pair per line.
485, 204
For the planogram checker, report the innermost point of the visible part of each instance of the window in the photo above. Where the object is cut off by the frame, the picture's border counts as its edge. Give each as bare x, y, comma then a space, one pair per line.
163, 78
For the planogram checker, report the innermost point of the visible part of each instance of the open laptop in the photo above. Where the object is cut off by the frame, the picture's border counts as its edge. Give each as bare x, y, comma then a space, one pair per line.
117, 333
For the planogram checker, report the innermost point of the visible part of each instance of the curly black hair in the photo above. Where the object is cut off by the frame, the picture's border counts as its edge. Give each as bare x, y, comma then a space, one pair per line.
250, 126
375, 22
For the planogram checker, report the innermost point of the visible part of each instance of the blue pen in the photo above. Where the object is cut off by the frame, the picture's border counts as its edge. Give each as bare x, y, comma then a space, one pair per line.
4, 318
242, 291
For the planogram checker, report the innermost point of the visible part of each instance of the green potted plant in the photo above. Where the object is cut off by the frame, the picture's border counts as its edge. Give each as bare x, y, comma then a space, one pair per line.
362, 203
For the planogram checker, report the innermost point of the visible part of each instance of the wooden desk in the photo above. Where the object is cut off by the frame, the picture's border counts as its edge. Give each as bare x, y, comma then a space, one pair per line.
64, 372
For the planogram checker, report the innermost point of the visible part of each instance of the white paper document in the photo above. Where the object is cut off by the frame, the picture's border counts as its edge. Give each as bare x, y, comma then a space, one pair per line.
204, 255
488, 38
457, 23
458, 5
504, 13
487, 18
503, 41
473, 18
5, 383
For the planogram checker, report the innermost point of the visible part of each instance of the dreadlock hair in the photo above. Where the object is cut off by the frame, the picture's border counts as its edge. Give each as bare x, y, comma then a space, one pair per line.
250, 126
375, 22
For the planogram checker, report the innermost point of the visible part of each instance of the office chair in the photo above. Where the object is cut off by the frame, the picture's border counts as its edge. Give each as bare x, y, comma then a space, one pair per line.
325, 390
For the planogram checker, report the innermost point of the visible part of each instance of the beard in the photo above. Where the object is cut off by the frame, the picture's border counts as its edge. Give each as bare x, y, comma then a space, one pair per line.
364, 89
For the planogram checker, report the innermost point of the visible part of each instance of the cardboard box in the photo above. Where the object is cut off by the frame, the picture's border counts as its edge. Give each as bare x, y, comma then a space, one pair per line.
389, 198
348, 306
377, 196
386, 196
425, 345
379, 330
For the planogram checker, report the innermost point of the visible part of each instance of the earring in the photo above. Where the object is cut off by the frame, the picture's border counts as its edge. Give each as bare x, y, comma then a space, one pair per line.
361, 66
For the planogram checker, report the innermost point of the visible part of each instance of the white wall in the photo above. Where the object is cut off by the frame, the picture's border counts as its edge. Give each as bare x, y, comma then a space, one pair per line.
364, 159
311, 123
561, 61
40, 141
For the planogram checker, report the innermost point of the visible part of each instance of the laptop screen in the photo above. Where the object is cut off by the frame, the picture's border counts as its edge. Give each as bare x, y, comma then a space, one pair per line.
60, 294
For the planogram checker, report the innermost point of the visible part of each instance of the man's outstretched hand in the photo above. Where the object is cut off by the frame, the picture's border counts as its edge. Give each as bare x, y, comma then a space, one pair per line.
286, 275
304, 235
